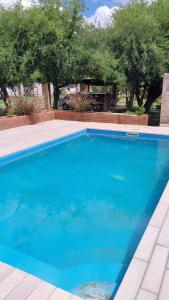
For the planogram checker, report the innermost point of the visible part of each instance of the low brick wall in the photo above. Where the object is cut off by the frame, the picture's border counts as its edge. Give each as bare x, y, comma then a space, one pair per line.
102, 117
42, 117
17, 121
13, 121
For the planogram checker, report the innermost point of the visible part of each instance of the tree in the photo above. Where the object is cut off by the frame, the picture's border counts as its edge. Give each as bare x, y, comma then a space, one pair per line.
134, 37
10, 63
13, 47
94, 59
53, 27
160, 9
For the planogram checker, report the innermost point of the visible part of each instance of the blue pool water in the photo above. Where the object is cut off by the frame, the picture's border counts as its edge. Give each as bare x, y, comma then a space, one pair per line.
74, 213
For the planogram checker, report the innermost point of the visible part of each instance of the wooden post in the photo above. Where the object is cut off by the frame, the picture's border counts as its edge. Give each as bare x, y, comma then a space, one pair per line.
45, 89
84, 88
164, 117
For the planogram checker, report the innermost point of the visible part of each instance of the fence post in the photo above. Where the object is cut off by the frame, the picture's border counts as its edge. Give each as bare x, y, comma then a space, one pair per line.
46, 95
164, 117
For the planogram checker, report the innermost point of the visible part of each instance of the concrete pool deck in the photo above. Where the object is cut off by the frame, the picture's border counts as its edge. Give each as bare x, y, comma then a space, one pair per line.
147, 277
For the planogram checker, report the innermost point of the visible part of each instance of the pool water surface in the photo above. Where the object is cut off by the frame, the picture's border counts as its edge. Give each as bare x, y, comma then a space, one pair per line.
73, 214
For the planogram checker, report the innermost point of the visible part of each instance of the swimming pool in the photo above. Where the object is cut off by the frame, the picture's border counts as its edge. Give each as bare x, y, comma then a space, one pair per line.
73, 211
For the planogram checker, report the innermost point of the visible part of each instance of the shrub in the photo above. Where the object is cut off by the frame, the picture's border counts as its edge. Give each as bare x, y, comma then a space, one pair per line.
81, 103
140, 111
23, 106
2, 112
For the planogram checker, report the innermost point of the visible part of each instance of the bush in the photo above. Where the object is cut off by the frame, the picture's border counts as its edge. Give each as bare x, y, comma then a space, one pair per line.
2, 112
140, 111
23, 106
81, 103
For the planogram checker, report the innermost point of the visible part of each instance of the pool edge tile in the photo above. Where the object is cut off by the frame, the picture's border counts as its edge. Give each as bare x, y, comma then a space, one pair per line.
145, 295
60, 295
132, 278
165, 196
157, 221
155, 271
147, 243
159, 214
163, 238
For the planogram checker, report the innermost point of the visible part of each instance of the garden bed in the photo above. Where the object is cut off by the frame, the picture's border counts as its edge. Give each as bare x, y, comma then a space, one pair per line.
102, 117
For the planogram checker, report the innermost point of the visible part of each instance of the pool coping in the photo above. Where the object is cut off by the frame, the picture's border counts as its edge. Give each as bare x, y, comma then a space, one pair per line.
148, 273
148, 270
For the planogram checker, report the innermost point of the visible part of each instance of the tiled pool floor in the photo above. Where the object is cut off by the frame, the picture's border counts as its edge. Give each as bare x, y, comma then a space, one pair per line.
147, 277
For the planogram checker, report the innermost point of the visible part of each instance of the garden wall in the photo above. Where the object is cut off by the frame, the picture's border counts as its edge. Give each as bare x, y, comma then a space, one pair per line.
103, 117
17, 121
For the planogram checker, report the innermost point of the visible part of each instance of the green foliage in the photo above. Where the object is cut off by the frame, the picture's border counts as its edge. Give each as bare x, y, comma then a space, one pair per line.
8, 55
50, 42
50, 55
135, 41
140, 111
95, 60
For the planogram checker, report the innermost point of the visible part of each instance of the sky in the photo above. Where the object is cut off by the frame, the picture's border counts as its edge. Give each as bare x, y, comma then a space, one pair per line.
97, 11
93, 5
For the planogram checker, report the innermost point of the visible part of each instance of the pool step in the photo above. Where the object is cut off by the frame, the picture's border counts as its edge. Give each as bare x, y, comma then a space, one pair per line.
98, 287
96, 290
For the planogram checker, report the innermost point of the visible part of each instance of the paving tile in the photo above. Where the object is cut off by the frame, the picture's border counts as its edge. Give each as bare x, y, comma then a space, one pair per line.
145, 295
132, 280
164, 293
5, 270
164, 234
168, 265
165, 195
155, 270
12, 280
42, 291
73, 297
159, 215
147, 243
24, 289
60, 295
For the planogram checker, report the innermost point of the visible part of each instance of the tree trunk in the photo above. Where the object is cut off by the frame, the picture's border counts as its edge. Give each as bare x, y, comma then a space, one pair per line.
21, 90
114, 95
154, 91
4, 95
129, 100
139, 101
107, 102
139, 97
45, 88
50, 97
56, 95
